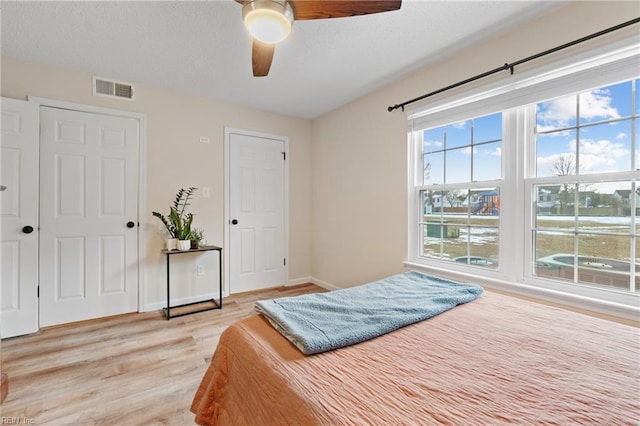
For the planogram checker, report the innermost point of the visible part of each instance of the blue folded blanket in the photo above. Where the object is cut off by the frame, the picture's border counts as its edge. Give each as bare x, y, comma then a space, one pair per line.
320, 322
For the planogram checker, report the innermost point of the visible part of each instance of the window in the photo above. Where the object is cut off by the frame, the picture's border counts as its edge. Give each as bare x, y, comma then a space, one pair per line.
585, 159
460, 222
538, 185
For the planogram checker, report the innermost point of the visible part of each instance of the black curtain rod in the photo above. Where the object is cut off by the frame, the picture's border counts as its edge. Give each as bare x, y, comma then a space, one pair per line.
512, 65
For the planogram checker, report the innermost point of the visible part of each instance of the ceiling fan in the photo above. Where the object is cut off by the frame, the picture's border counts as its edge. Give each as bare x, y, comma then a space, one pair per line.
269, 21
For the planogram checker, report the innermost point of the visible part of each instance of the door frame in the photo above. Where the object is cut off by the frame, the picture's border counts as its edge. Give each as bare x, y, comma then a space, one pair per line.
142, 174
227, 194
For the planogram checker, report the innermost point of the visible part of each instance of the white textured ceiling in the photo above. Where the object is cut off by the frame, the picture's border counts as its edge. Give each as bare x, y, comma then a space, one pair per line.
202, 48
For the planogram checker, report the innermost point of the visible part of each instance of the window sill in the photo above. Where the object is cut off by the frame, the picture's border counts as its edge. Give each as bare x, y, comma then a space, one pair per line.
617, 304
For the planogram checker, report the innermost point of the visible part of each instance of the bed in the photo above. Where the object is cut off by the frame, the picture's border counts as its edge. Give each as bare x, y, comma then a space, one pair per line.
496, 360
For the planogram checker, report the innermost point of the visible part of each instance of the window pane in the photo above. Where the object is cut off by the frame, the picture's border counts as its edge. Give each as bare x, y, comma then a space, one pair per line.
451, 233
547, 202
637, 97
605, 148
605, 103
433, 168
432, 202
637, 265
605, 207
444, 241
557, 201
458, 134
483, 248
556, 154
601, 260
458, 165
487, 161
433, 139
554, 254
485, 202
637, 165
453, 201
487, 128
556, 113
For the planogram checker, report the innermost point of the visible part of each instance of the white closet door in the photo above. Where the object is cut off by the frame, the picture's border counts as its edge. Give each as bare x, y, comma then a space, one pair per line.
88, 215
257, 246
19, 213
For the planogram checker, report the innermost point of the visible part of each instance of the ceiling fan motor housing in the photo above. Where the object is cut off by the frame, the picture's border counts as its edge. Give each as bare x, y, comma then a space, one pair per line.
269, 21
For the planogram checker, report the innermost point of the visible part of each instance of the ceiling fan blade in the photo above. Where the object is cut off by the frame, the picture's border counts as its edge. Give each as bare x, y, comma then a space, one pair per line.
261, 57
324, 9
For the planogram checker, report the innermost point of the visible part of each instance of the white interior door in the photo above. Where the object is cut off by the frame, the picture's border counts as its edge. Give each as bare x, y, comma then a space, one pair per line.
256, 212
88, 215
19, 213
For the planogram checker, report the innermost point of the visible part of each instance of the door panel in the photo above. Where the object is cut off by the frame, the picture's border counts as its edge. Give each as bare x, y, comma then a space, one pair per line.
89, 169
256, 201
19, 208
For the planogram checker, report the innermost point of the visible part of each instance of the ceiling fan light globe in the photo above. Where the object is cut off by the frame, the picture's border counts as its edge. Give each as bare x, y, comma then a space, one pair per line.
266, 25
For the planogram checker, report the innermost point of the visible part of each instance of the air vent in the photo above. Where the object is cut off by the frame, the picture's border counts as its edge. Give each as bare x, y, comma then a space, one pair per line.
112, 88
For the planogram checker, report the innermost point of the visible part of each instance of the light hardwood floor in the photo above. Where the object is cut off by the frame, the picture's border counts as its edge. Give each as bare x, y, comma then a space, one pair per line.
135, 369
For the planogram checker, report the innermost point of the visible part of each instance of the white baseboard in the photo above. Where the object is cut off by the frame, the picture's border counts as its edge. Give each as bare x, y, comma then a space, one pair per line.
324, 284
298, 281
192, 299
312, 280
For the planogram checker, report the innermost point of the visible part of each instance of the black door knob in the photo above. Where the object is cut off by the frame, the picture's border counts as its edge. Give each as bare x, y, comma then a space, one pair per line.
234, 222
130, 224
27, 229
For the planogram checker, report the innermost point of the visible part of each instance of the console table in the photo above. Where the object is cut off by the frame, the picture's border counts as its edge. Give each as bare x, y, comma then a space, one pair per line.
216, 305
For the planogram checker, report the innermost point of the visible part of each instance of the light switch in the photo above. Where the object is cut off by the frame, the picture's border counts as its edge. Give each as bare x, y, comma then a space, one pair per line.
204, 139
206, 192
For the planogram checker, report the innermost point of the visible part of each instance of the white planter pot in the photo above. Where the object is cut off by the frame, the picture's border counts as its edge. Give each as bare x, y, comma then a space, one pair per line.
184, 244
172, 244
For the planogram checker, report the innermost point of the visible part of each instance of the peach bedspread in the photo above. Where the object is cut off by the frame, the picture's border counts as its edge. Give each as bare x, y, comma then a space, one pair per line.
497, 360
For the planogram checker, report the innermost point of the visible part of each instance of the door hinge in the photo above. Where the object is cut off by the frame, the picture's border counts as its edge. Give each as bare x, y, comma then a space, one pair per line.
38, 292
284, 156
285, 261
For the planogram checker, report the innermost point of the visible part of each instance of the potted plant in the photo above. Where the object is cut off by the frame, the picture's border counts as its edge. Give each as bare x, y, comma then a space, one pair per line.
178, 223
197, 238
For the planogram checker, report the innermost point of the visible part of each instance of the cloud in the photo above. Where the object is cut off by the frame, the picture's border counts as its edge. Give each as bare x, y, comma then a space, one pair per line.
621, 135
467, 150
561, 112
603, 156
603, 148
596, 156
459, 125
597, 104
497, 152
432, 143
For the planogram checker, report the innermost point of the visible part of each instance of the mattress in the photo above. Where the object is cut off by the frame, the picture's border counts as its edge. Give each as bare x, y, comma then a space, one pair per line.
497, 360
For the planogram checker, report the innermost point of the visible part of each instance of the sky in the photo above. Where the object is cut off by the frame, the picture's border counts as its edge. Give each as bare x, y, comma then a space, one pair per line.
604, 147
594, 127
485, 145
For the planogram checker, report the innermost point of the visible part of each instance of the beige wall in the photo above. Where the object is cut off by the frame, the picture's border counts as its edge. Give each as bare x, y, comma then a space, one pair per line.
176, 159
359, 184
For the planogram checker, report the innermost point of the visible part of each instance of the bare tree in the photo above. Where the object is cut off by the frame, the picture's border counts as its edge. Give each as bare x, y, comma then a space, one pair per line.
565, 165
453, 197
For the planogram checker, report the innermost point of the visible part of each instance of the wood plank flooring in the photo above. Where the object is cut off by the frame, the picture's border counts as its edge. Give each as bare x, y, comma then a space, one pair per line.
135, 369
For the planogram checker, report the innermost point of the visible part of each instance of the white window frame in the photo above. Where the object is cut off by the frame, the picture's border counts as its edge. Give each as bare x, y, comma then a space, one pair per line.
599, 67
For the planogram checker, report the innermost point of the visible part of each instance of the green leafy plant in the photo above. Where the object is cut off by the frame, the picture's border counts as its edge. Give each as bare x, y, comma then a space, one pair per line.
197, 235
178, 223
